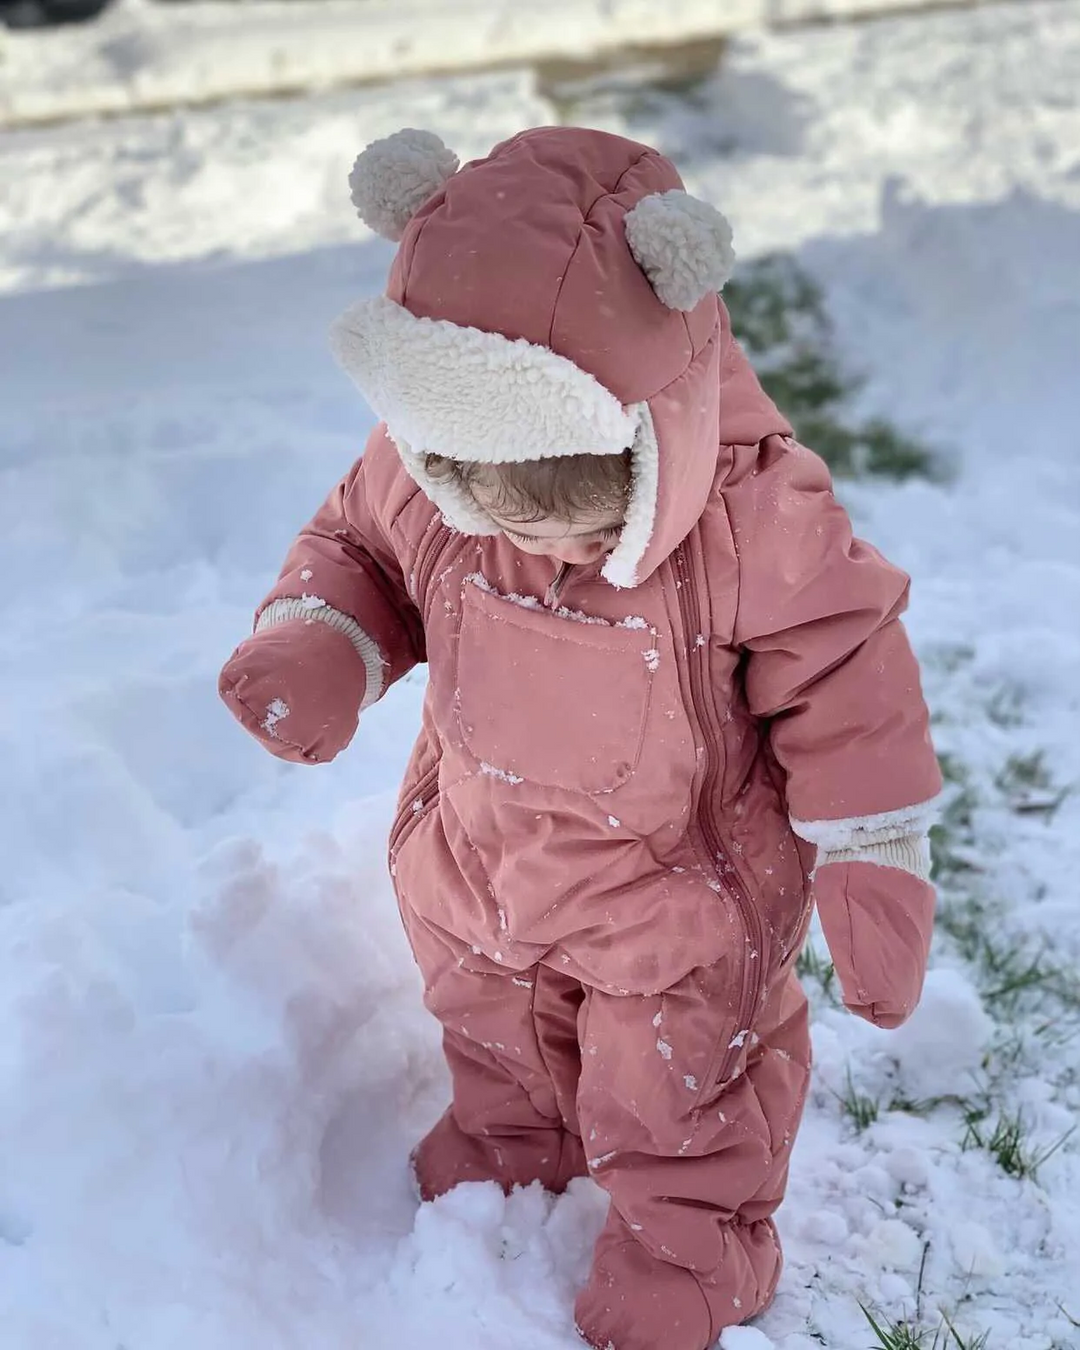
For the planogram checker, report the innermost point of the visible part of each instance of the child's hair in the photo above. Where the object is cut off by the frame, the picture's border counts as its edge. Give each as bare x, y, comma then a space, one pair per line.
563, 486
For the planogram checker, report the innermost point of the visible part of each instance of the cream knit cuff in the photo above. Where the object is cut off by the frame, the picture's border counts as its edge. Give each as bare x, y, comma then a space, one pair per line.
910, 853
306, 607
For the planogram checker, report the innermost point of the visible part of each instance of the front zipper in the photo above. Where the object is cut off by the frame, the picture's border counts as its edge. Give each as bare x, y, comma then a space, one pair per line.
420, 799
705, 711
555, 590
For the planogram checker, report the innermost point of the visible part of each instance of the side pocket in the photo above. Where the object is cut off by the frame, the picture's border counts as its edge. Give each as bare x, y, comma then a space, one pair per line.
418, 803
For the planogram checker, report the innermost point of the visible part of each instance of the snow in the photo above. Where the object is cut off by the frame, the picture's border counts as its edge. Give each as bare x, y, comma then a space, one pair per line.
929, 1065
502, 774
634, 621
215, 1057
891, 1243
745, 1338
142, 56
975, 1251
276, 712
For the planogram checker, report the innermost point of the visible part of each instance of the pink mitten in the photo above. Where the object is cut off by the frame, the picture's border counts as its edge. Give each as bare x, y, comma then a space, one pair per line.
877, 921
297, 686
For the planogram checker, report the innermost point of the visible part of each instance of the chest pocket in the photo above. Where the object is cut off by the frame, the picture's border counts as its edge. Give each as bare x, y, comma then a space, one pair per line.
551, 700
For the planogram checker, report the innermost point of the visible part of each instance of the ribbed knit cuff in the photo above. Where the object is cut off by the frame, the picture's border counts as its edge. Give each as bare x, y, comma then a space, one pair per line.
862, 831
318, 611
911, 853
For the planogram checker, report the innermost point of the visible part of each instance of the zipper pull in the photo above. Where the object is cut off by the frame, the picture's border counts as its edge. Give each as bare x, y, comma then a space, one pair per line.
551, 596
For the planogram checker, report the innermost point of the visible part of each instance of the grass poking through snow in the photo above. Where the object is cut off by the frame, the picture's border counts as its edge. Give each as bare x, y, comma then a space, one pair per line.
891, 1335
1028, 785
861, 1109
810, 964
1009, 1145
995, 786
907, 1335
778, 314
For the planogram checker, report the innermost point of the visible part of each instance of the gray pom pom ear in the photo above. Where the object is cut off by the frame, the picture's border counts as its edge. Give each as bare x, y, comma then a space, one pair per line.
394, 177
682, 245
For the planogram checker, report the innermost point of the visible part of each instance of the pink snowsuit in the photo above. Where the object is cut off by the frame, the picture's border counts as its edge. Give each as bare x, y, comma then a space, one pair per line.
594, 854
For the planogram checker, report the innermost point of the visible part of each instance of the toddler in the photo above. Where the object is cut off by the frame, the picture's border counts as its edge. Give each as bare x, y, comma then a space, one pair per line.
670, 706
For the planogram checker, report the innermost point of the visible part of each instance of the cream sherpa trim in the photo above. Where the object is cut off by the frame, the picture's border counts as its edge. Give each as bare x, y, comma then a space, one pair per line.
621, 568
909, 853
278, 611
462, 513
683, 246
861, 831
395, 176
482, 397
472, 395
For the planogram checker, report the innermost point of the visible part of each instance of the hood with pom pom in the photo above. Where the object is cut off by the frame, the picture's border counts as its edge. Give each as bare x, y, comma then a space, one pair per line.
556, 297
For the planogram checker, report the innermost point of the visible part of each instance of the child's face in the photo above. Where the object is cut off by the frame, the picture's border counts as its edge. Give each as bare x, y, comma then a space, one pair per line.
582, 540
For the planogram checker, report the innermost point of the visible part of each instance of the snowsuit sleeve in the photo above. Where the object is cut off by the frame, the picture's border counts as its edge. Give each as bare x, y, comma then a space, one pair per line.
342, 569
337, 629
828, 663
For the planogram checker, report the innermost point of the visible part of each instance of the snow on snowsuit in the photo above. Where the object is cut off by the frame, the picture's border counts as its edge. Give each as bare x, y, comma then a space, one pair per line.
626, 772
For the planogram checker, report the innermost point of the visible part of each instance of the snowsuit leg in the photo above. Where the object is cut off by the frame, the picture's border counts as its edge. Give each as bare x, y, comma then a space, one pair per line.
510, 1040
694, 1170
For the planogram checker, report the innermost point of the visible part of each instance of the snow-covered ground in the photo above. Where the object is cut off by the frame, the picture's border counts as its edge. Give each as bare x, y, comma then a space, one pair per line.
213, 1058
145, 55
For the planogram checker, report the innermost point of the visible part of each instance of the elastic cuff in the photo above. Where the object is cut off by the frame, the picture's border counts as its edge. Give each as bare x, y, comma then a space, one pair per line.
909, 854
314, 610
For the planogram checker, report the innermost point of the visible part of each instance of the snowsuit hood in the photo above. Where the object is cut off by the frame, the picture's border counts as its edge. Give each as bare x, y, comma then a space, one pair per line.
518, 324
